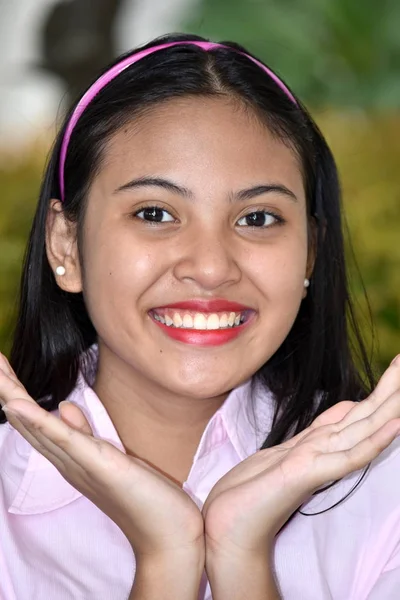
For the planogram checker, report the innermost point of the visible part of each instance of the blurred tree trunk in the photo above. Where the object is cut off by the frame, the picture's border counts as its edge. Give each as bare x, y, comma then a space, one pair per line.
78, 41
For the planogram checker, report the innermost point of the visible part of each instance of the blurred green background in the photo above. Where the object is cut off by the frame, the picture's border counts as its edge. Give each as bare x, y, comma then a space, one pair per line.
342, 58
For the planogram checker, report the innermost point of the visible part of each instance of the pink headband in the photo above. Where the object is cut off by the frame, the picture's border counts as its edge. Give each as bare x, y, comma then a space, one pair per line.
121, 66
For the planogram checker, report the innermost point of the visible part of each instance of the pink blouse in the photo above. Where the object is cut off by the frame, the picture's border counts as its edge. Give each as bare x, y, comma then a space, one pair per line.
54, 543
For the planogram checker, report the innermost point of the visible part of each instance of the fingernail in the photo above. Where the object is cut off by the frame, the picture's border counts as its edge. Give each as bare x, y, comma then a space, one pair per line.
395, 360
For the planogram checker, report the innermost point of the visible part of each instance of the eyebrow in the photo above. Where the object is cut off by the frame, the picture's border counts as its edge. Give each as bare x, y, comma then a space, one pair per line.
160, 182
258, 190
241, 195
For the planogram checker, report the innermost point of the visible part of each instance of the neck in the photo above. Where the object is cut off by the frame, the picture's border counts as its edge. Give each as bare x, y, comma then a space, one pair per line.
155, 424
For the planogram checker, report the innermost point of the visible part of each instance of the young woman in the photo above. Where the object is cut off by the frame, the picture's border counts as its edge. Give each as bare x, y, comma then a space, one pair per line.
185, 289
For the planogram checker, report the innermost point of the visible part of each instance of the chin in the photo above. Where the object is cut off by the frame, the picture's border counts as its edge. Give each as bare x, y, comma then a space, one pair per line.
205, 386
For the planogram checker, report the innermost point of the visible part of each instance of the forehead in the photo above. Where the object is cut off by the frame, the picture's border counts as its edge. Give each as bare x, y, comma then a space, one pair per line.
200, 141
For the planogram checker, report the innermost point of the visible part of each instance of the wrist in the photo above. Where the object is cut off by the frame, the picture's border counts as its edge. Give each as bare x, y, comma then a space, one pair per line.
236, 574
261, 549
172, 576
215, 559
176, 559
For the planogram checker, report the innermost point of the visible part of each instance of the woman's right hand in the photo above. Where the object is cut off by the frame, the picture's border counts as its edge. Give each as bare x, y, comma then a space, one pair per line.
158, 517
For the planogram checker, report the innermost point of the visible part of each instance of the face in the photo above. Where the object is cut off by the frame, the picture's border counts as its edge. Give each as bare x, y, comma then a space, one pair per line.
194, 246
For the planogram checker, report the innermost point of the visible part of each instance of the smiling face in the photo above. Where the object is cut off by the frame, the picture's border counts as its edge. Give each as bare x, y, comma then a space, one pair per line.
215, 211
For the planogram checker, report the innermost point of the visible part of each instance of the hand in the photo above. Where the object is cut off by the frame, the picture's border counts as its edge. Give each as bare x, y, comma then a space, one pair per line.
157, 517
249, 505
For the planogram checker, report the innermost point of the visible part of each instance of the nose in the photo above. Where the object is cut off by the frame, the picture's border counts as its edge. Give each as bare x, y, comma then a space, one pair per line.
208, 259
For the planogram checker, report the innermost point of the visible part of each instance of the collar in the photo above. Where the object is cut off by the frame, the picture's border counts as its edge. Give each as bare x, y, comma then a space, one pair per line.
32, 484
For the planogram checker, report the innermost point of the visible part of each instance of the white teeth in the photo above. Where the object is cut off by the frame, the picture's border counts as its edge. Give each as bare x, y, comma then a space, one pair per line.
177, 320
187, 321
223, 320
213, 322
199, 321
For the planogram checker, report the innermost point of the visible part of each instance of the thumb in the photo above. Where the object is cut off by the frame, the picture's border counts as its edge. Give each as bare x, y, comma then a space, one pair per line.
74, 417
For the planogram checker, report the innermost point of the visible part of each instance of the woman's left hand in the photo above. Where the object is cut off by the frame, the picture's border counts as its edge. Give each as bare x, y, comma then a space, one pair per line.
249, 505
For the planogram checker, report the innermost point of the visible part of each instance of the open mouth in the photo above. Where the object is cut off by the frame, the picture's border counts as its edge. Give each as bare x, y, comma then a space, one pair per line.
185, 319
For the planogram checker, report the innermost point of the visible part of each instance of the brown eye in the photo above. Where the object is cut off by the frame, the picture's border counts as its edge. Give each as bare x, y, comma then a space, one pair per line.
154, 214
259, 218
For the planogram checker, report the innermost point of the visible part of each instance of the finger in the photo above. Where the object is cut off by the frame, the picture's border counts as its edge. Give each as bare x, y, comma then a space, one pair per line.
67, 443
11, 388
35, 440
6, 367
356, 431
74, 417
5, 364
334, 414
388, 384
32, 430
335, 465
89, 468
79, 476
347, 412
40, 429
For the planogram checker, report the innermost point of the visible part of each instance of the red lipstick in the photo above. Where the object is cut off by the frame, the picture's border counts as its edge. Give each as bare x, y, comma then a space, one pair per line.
208, 306
205, 337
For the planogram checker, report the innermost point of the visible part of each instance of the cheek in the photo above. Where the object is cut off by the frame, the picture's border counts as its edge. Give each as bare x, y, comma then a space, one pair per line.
118, 270
279, 269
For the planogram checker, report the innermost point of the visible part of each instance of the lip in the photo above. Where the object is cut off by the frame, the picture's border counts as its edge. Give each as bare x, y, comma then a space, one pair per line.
209, 306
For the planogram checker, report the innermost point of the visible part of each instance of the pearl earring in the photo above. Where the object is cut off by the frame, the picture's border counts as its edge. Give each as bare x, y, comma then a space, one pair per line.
306, 283
60, 270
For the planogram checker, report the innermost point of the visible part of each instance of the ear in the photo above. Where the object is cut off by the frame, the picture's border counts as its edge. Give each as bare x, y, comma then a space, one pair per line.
62, 248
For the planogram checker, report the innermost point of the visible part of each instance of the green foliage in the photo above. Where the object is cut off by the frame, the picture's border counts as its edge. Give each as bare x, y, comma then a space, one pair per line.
331, 52
19, 184
368, 155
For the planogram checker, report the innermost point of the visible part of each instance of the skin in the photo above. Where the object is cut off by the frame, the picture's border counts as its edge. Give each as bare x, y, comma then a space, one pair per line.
150, 384
233, 535
158, 392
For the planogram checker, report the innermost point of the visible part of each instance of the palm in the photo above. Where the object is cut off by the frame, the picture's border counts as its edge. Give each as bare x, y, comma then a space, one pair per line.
152, 511
238, 504
249, 505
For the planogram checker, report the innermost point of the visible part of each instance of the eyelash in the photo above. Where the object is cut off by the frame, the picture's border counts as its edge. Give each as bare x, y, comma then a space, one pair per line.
150, 207
278, 219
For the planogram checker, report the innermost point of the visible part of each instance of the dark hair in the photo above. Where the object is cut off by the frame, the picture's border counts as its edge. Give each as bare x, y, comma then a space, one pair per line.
316, 360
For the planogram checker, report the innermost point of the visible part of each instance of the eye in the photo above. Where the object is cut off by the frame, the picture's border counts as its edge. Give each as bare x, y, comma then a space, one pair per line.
259, 218
154, 214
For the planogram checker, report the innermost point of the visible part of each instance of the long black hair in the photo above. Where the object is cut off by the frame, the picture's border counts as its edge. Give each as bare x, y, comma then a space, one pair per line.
316, 360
